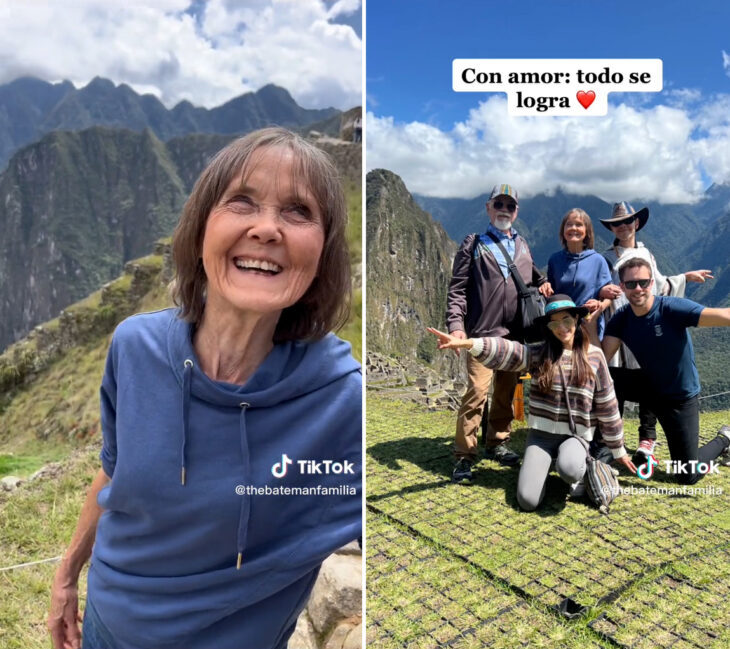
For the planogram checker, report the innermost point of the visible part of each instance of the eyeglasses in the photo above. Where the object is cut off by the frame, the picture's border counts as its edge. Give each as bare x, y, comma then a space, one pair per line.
567, 322
627, 221
632, 283
510, 207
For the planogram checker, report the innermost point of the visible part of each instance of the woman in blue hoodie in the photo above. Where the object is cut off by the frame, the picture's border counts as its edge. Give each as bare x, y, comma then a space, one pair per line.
579, 271
231, 424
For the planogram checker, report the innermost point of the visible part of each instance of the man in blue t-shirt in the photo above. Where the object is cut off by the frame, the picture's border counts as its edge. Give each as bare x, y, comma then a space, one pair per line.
655, 330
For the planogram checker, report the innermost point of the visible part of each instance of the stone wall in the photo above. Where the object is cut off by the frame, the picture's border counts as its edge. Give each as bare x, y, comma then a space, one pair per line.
413, 381
332, 618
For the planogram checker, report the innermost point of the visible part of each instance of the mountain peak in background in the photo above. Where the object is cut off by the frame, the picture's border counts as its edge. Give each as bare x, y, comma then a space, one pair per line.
30, 108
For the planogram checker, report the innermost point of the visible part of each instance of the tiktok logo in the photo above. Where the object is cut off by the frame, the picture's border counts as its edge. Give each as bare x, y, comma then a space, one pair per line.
278, 470
645, 471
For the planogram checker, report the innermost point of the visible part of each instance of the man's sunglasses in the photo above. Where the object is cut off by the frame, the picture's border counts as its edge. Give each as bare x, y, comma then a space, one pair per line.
631, 284
627, 221
510, 207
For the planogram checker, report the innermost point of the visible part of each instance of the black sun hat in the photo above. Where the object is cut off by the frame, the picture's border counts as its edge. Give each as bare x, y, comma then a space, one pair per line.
624, 210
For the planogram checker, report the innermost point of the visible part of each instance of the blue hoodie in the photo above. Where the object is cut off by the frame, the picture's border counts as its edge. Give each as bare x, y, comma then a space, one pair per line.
580, 275
196, 565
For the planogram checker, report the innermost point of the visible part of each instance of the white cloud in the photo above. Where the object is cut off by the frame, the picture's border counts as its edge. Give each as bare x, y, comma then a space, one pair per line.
343, 8
229, 48
726, 62
649, 153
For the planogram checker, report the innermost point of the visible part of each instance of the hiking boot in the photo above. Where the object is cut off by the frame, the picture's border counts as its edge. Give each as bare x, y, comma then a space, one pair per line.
724, 457
502, 454
462, 472
644, 451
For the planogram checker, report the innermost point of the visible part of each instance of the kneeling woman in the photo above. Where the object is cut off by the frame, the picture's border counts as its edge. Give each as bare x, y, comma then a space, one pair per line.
565, 355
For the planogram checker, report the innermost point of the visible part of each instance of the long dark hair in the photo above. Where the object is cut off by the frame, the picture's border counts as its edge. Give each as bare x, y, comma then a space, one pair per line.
553, 350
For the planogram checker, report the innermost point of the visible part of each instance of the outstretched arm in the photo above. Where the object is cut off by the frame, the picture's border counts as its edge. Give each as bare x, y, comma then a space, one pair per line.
714, 318
456, 341
495, 353
699, 276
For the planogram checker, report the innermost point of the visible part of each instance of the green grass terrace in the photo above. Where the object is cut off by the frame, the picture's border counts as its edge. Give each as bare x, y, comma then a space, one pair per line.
463, 567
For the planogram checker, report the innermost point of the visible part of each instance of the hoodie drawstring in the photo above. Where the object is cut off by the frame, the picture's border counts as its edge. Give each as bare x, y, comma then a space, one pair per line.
187, 375
245, 498
245, 512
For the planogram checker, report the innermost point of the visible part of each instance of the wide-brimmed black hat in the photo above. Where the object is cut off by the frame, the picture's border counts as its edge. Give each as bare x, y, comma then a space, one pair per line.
558, 303
624, 210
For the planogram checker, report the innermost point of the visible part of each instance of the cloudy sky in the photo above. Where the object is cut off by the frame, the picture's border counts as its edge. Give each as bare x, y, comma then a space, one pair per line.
204, 51
667, 146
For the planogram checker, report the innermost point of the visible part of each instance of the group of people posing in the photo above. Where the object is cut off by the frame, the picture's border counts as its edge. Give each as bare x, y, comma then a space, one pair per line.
614, 330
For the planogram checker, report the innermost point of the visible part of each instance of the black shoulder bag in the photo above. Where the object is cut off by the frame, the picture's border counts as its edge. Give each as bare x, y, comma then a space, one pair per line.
532, 303
600, 481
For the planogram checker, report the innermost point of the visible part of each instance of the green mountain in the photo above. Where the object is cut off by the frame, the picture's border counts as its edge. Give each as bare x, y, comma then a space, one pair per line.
77, 206
409, 258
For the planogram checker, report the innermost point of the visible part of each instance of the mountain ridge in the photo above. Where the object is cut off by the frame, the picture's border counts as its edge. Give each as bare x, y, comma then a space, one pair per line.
30, 108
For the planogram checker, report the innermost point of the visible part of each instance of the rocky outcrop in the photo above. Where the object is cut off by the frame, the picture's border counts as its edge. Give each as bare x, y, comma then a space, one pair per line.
75, 207
333, 616
408, 271
96, 315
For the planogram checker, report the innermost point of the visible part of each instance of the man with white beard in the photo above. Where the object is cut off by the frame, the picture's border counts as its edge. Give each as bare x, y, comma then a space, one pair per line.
483, 301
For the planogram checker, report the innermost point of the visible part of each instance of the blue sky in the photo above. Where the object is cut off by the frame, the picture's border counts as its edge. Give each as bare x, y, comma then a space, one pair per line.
410, 47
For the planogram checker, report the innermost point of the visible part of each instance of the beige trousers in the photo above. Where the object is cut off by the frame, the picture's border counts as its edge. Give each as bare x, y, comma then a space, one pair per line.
472, 405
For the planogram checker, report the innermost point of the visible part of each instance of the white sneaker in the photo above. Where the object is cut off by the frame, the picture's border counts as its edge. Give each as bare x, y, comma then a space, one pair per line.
577, 489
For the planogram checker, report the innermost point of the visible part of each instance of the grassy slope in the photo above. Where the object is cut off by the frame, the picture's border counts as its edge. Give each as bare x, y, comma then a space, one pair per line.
432, 545
56, 417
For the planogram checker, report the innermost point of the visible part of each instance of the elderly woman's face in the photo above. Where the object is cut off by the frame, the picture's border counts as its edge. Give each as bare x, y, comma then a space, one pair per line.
264, 238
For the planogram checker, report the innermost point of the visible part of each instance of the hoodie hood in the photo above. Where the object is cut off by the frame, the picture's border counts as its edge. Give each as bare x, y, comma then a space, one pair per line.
291, 369
578, 256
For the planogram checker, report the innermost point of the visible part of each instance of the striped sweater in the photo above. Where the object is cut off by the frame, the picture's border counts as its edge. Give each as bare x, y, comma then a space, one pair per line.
593, 404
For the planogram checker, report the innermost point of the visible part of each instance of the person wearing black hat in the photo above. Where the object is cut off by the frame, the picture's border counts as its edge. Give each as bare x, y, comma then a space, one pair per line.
483, 301
566, 355
655, 330
624, 223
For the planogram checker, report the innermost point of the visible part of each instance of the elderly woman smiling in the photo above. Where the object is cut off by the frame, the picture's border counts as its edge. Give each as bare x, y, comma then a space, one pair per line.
211, 525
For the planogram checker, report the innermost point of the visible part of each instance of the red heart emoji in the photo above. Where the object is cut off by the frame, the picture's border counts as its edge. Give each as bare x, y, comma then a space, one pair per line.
585, 98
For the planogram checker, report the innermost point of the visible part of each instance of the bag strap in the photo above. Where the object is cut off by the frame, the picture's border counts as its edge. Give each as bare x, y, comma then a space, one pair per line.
571, 421
511, 265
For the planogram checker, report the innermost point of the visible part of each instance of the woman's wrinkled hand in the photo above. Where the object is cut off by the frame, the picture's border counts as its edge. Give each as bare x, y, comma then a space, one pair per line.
63, 616
546, 289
